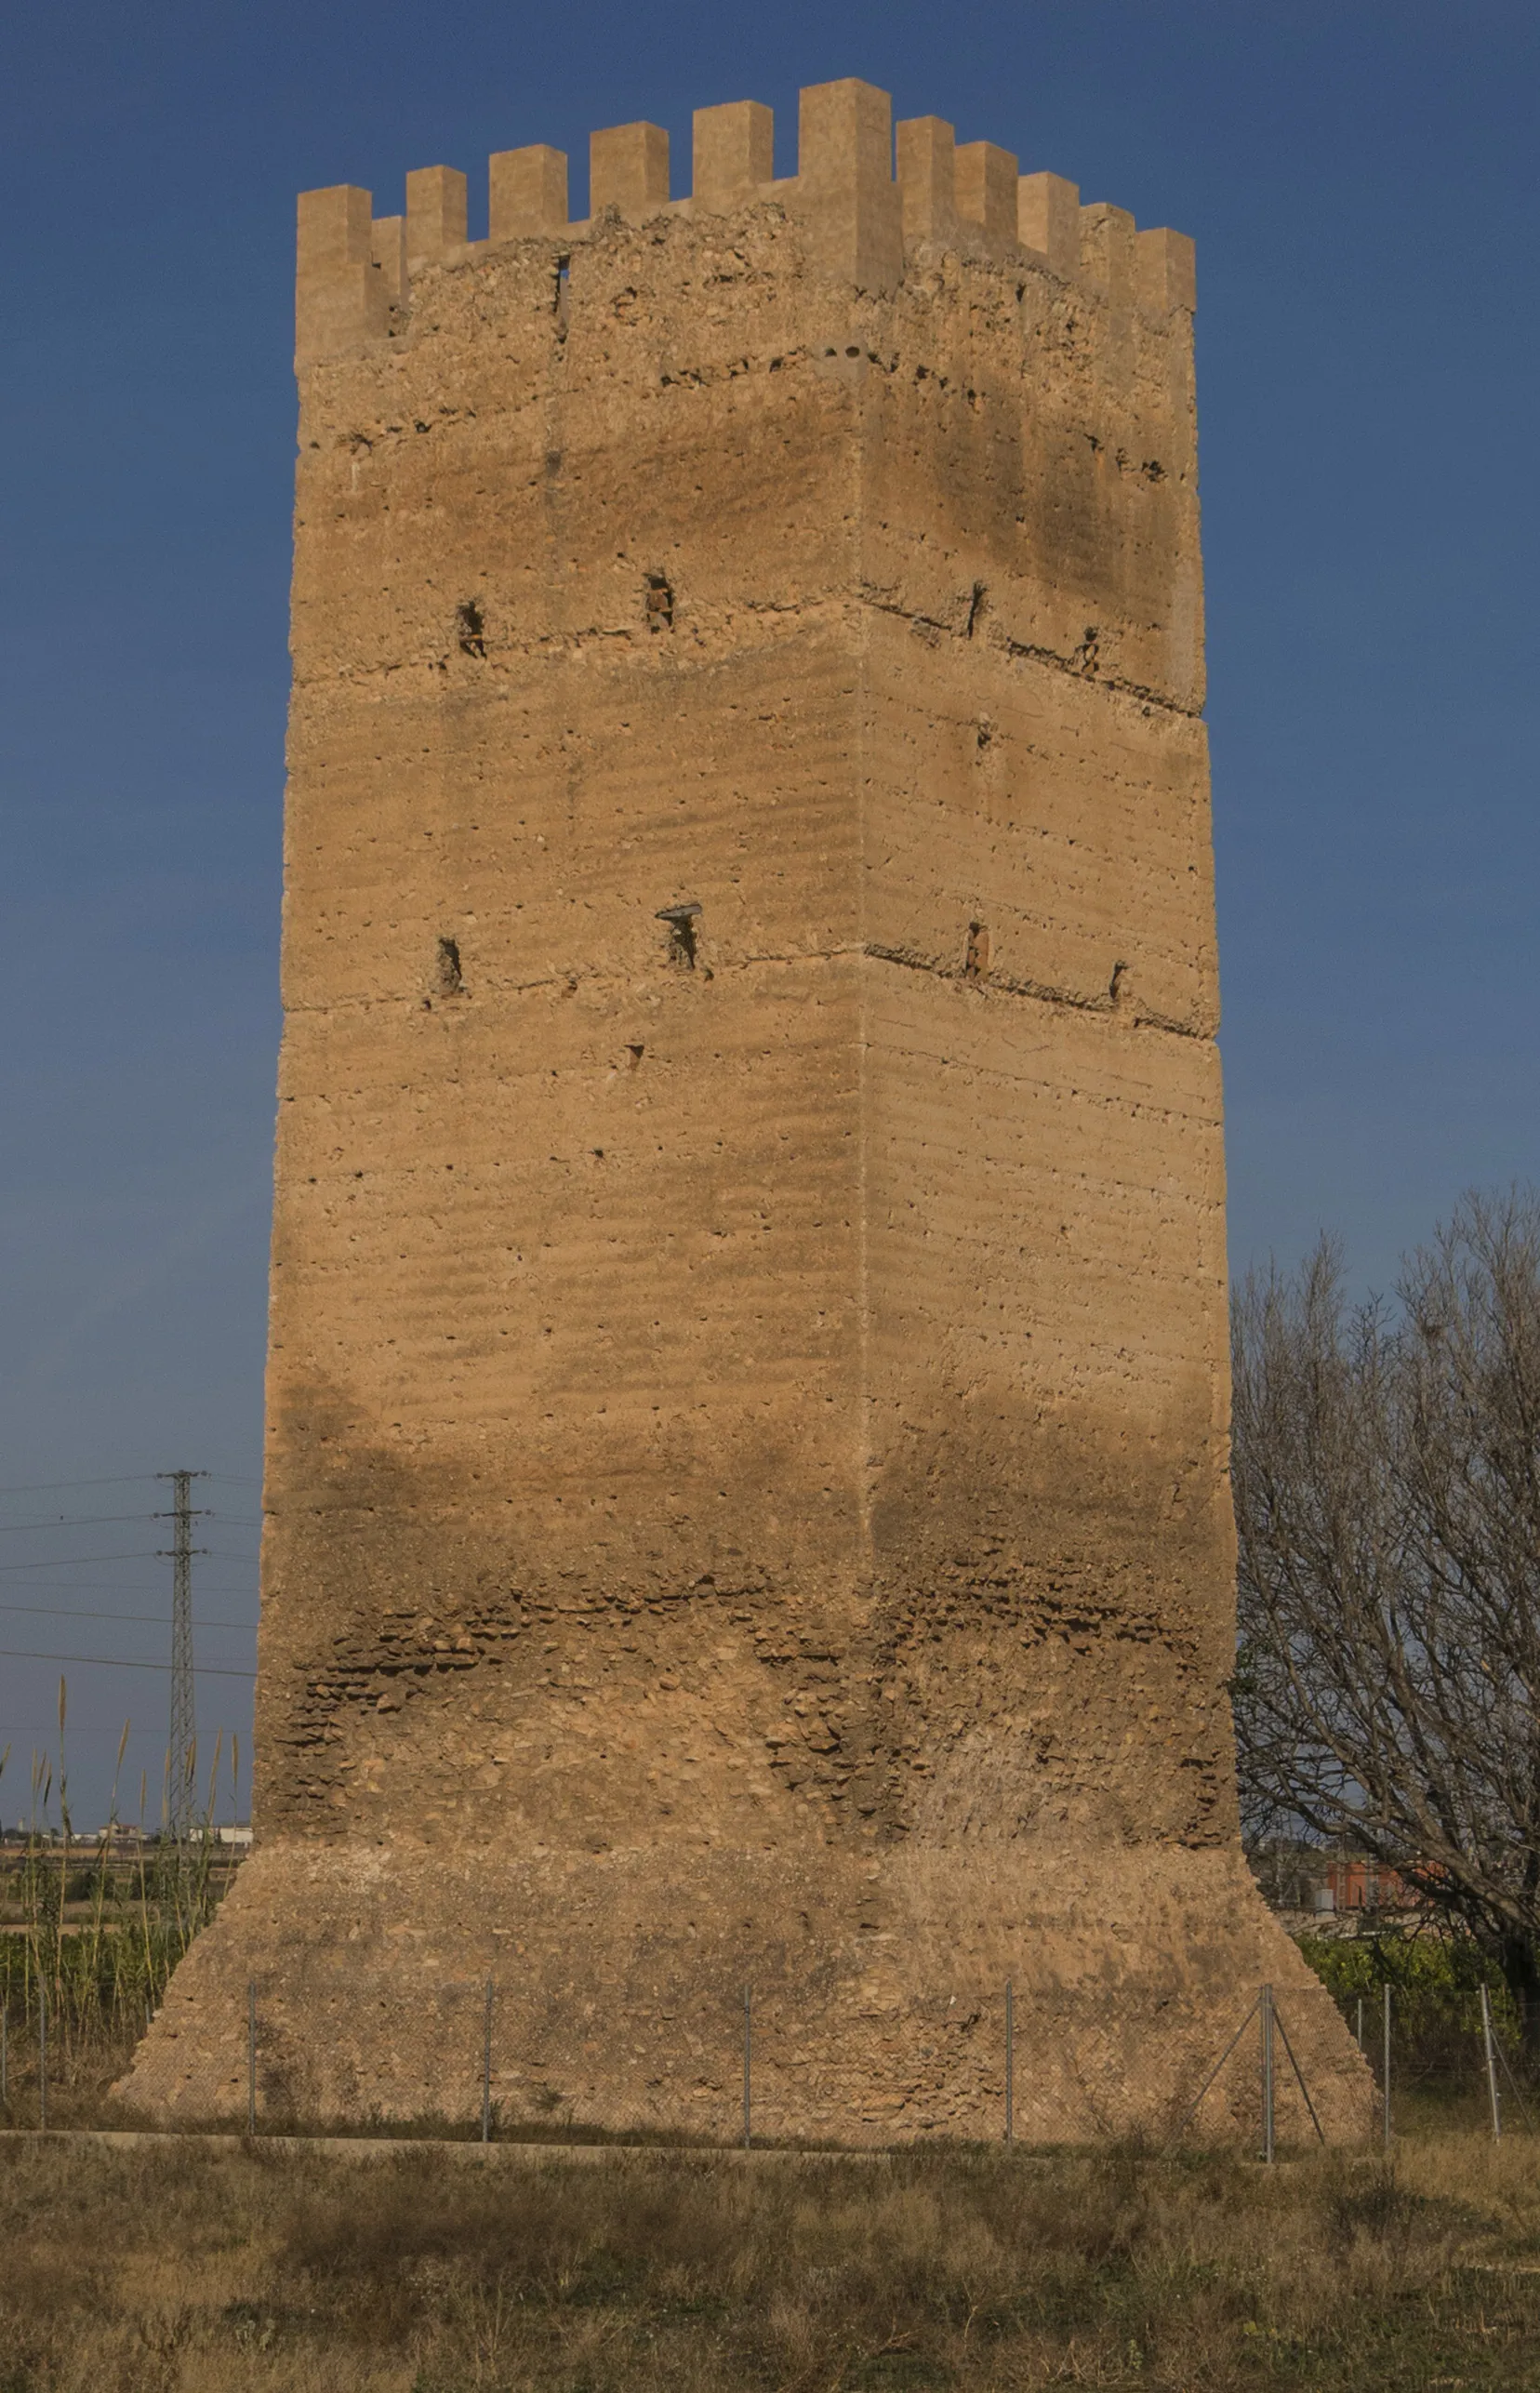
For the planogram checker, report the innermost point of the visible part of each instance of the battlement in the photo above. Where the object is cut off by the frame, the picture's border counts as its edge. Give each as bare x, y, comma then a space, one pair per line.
866, 206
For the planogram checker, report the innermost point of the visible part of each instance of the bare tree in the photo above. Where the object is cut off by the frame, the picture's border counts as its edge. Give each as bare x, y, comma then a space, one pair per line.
1387, 1476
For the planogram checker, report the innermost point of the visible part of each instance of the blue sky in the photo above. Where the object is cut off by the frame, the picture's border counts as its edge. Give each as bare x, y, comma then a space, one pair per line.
1361, 184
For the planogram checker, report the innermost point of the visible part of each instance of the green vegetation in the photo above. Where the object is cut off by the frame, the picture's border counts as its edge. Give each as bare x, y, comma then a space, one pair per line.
89, 1935
1437, 2062
100, 1943
1435, 1978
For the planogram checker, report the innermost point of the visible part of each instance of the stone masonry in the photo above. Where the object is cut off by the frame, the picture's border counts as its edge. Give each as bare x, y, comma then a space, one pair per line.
747, 1402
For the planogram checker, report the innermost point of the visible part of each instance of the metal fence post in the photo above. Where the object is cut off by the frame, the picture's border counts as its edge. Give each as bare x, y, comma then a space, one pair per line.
1491, 2067
747, 2067
1360, 2044
1293, 2059
1386, 2056
251, 2056
1266, 2073
1010, 2061
4, 2057
486, 2067
42, 2055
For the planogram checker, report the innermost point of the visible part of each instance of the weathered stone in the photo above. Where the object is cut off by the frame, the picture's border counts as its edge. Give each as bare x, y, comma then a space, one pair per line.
747, 1398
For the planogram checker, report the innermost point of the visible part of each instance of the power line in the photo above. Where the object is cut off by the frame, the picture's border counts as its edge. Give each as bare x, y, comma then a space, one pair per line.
139, 1619
111, 1662
46, 1736
75, 1561
126, 1479
55, 1486
86, 1520
107, 1587
114, 1520
69, 1561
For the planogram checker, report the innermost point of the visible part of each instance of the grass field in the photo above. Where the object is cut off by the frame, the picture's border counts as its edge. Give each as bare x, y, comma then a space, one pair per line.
186, 2269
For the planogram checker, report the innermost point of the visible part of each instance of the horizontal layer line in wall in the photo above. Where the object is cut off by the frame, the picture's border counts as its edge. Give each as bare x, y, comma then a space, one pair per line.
1078, 664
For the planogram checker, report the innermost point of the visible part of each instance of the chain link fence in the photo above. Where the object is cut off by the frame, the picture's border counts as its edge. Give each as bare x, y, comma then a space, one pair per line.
745, 2067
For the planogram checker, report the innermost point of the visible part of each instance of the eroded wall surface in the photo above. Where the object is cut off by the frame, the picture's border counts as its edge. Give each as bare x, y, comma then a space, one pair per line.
747, 1397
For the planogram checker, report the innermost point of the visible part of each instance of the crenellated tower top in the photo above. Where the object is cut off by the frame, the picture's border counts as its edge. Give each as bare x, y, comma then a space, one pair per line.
860, 219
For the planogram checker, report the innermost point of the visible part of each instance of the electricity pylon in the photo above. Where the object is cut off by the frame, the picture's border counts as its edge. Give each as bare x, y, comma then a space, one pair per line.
182, 1793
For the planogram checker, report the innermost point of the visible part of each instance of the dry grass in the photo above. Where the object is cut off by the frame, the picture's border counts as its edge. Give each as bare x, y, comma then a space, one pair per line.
167, 2269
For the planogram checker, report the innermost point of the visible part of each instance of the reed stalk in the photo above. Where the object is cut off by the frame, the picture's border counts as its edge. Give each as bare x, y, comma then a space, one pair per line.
103, 1970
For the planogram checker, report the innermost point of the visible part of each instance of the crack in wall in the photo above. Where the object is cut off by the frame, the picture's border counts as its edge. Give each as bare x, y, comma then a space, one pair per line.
995, 984
1000, 984
1081, 666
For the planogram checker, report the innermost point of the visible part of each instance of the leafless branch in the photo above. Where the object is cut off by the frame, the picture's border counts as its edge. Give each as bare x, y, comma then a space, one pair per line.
1387, 1477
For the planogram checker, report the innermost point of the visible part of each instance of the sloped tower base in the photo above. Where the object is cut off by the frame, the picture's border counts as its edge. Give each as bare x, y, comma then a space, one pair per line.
878, 2016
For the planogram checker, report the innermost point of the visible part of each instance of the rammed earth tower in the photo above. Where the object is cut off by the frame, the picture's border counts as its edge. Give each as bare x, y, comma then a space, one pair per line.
747, 1401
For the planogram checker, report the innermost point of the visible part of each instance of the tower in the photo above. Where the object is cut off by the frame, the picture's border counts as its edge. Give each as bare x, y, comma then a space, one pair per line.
746, 1387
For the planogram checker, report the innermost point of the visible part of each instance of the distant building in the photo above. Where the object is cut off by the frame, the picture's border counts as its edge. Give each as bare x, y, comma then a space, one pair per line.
1298, 1877
1356, 1885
